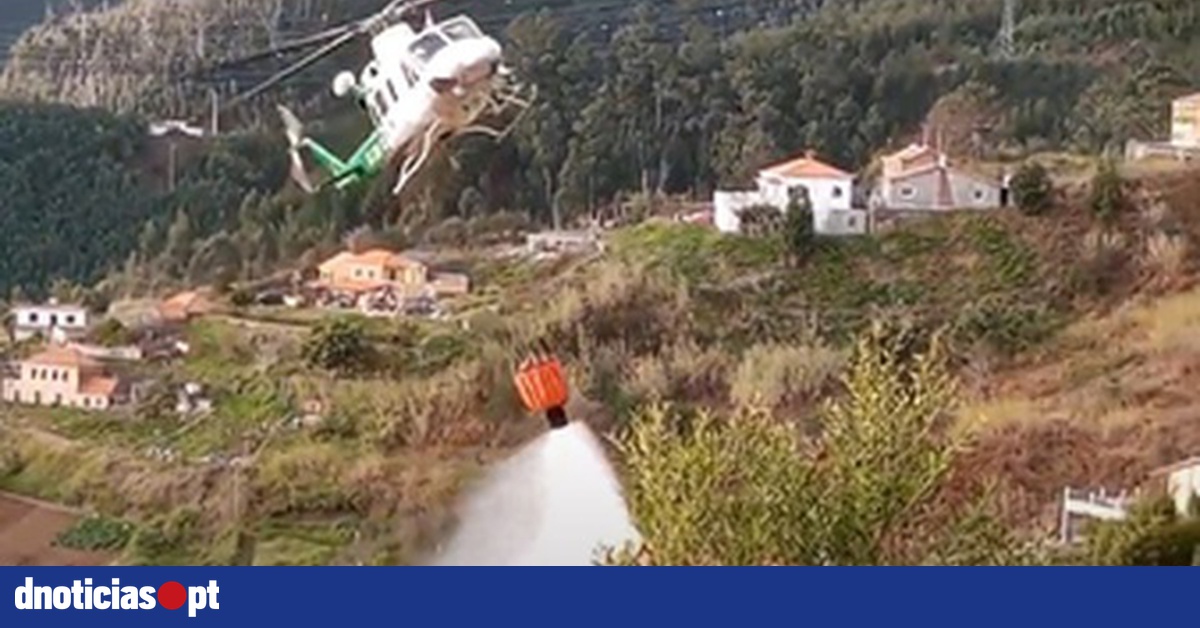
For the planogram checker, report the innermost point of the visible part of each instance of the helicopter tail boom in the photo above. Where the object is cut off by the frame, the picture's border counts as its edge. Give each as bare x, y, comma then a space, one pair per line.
341, 173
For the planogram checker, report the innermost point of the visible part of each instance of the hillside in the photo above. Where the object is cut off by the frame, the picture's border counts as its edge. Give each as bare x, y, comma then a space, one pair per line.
83, 187
1030, 307
845, 79
1067, 335
20, 15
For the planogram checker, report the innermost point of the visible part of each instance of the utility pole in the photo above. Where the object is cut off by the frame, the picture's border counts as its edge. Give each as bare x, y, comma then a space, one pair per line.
171, 166
216, 110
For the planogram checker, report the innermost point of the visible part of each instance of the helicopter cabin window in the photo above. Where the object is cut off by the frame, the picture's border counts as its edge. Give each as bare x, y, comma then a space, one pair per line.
426, 46
460, 28
381, 104
409, 75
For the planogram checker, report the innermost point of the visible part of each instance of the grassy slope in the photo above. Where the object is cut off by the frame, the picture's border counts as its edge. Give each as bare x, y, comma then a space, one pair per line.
1076, 360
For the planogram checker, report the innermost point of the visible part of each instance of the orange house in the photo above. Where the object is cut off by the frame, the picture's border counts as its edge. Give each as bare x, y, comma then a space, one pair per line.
62, 377
372, 270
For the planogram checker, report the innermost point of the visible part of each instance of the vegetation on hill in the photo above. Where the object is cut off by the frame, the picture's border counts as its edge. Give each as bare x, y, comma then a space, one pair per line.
755, 329
676, 326
79, 200
671, 100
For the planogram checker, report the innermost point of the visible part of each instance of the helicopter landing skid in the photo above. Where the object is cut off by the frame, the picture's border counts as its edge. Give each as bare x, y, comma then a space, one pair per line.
414, 162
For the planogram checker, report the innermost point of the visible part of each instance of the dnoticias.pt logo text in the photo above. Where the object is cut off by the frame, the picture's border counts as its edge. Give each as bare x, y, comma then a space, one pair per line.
85, 596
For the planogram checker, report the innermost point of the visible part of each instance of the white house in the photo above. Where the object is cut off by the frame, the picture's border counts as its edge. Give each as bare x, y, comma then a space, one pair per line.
830, 192
1182, 482
50, 320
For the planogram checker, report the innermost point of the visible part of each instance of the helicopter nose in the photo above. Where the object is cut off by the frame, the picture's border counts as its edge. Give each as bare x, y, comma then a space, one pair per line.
465, 62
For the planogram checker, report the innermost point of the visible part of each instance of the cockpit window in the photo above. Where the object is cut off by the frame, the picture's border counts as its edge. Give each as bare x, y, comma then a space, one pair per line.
460, 28
427, 46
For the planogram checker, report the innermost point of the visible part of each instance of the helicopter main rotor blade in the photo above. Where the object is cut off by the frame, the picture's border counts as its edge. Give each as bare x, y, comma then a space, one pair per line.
298, 44
336, 37
296, 68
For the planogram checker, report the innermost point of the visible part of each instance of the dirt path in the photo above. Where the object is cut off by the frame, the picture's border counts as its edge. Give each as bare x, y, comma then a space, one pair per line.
28, 528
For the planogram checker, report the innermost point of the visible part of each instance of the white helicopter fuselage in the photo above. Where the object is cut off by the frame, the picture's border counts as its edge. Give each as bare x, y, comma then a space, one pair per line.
417, 79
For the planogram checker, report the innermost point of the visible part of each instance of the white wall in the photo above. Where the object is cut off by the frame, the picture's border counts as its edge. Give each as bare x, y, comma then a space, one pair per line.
842, 222
824, 193
1182, 484
727, 207
43, 316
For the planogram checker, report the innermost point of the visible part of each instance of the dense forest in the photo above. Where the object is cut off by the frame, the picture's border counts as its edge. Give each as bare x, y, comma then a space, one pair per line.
649, 99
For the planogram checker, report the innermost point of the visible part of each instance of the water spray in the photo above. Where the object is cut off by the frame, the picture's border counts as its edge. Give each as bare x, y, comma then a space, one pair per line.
554, 502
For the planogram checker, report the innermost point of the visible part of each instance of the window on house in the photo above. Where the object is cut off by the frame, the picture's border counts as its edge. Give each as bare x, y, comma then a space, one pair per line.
70, 319
58, 399
851, 222
907, 192
979, 194
392, 91
87, 402
33, 318
837, 191
54, 320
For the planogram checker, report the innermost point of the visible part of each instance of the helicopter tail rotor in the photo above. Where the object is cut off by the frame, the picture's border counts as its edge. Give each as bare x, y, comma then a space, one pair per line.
295, 135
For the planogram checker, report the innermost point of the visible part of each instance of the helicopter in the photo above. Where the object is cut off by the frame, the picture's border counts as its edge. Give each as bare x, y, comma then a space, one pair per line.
420, 89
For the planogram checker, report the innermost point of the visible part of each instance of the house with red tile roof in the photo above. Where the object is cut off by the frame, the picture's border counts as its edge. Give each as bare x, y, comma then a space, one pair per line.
921, 178
62, 376
382, 271
830, 192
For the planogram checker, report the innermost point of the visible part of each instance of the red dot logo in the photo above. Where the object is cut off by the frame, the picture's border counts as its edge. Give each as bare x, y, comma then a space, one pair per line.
171, 595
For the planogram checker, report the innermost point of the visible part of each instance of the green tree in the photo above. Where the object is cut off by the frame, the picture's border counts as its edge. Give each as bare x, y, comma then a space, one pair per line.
798, 232
339, 345
111, 333
1032, 189
1106, 196
749, 492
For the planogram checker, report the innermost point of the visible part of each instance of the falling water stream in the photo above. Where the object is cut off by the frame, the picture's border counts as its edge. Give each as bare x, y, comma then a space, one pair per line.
557, 502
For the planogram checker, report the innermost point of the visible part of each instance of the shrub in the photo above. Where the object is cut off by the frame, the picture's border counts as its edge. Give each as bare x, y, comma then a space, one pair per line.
745, 492
1106, 197
338, 345
798, 230
111, 333
241, 297
1032, 189
96, 533
762, 221
1152, 535
773, 374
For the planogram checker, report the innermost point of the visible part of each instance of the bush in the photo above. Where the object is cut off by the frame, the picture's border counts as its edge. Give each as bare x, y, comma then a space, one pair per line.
339, 345
241, 297
1152, 535
96, 533
745, 492
762, 221
1106, 197
798, 230
770, 375
111, 333
1032, 189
